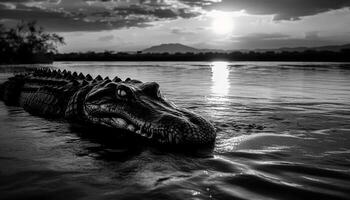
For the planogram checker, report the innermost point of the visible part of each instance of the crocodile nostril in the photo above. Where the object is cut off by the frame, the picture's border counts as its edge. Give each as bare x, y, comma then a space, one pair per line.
151, 89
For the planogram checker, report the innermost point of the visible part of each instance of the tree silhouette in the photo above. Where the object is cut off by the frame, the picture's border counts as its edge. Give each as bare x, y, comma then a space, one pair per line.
27, 43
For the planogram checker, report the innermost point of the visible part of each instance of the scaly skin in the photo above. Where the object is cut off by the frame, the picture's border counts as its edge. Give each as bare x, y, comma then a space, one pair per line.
131, 105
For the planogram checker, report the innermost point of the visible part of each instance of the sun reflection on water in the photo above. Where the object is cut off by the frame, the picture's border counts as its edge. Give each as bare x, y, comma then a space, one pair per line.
220, 79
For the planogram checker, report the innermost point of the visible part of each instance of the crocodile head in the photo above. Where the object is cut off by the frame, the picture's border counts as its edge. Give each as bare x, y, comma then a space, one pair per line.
141, 109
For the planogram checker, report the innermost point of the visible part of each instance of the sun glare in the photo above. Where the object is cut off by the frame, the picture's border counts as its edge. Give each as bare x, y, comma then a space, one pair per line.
220, 78
222, 23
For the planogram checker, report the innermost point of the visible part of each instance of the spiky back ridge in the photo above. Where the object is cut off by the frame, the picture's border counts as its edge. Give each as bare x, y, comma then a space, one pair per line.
52, 76
49, 92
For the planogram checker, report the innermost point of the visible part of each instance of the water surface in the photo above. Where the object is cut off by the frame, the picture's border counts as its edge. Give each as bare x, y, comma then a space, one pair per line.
283, 133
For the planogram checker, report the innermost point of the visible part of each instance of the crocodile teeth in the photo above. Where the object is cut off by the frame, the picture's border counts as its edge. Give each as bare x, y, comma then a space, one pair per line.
131, 128
150, 135
143, 134
120, 122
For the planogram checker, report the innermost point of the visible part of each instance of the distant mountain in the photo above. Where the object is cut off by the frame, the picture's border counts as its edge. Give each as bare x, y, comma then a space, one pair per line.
180, 48
171, 48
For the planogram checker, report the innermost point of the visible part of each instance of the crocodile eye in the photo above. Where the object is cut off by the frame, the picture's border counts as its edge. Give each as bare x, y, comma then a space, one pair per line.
124, 92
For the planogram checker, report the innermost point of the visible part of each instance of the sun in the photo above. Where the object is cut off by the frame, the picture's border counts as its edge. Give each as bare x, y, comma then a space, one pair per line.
222, 23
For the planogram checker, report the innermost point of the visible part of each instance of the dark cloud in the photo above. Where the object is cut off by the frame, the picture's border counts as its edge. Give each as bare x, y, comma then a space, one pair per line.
65, 22
282, 9
181, 31
92, 15
14, 1
166, 13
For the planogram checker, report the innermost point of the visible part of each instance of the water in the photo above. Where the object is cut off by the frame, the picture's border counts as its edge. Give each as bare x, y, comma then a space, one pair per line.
283, 133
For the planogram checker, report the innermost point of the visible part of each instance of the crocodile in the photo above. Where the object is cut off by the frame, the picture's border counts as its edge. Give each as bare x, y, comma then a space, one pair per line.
136, 107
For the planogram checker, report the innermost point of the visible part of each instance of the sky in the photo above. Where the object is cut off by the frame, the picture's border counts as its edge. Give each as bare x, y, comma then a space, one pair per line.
131, 25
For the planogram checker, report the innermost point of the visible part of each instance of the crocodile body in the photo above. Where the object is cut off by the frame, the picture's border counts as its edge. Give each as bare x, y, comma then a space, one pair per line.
130, 105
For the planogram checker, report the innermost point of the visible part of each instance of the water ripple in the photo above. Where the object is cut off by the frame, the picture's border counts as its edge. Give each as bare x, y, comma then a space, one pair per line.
283, 133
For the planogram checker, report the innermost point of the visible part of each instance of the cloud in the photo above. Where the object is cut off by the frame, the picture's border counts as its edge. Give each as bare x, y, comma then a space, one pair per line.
156, 12
98, 15
63, 22
93, 15
281, 9
277, 40
181, 31
106, 38
261, 36
313, 35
